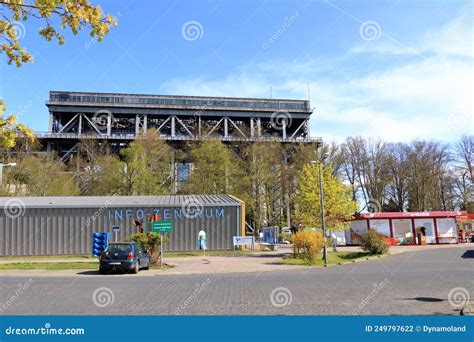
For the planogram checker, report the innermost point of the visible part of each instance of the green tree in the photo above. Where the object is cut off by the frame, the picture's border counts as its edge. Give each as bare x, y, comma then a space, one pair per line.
72, 14
108, 176
146, 168
338, 204
11, 130
213, 169
40, 176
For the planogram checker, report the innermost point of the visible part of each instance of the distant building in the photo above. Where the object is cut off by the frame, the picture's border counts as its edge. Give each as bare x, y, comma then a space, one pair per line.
403, 228
119, 118
65, 224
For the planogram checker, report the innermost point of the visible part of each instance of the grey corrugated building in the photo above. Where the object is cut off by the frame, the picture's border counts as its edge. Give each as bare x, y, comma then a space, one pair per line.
64, 225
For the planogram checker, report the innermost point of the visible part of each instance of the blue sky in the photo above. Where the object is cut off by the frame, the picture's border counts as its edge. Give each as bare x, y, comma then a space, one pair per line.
399, 70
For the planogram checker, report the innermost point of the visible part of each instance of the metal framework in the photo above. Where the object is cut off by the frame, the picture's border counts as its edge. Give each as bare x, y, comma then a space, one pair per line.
121, 117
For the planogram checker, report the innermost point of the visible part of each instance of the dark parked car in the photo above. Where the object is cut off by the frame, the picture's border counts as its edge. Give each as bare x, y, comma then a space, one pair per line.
124, 256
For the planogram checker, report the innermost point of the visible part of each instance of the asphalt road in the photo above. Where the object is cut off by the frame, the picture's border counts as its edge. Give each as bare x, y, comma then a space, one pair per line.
410, 283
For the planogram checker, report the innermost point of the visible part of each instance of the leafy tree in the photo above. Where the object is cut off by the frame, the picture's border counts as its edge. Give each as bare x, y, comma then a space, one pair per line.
95, 170
11, 130
147, 166
40, 176
107, 176
338, 203
72, 14
213, 169
264, 166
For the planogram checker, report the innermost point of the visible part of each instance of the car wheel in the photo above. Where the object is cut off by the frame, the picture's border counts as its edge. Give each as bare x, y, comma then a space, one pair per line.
136, 268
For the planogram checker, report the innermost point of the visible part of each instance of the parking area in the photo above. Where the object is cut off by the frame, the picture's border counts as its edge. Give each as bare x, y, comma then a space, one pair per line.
418, 282
232, 263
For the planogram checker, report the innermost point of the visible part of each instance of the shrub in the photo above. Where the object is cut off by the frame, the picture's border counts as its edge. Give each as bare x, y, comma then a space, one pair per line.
309, 243
150, 241
374, 242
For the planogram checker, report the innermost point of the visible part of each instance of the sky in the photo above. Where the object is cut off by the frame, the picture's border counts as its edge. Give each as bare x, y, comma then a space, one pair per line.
397, 70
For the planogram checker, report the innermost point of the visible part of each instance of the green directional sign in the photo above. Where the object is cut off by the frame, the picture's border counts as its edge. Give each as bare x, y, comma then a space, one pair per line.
162, 226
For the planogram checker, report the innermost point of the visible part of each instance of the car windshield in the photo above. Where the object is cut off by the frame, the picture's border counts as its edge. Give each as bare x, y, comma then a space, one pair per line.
119, 248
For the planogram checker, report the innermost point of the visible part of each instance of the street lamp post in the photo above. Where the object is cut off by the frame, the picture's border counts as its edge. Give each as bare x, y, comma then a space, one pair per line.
321, 202
1, 170
323, 224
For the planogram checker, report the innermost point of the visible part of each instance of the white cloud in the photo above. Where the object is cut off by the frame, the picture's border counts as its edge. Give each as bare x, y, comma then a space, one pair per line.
454, 38
421, 98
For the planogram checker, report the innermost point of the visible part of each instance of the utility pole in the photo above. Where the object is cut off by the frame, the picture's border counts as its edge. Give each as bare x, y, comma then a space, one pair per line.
321, 201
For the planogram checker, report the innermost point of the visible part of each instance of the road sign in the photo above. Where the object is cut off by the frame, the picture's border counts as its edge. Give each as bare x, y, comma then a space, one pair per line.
115, 228
162, 226
243, 240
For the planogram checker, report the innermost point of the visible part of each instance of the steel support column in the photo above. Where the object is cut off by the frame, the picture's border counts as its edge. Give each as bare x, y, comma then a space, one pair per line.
173, 126
226, 127
109, 124
79, 128
252, 128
